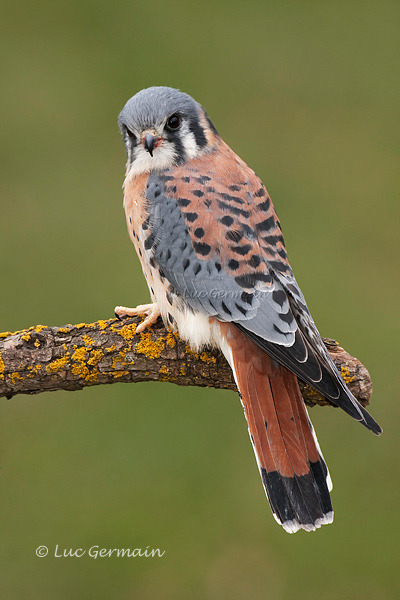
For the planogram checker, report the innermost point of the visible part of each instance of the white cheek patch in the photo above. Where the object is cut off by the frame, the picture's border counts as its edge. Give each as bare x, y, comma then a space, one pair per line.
189, 142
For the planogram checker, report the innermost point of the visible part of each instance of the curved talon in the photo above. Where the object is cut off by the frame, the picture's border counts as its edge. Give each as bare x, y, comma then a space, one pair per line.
151, 311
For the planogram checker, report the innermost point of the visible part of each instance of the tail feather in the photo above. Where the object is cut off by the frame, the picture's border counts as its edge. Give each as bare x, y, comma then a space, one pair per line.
293, 471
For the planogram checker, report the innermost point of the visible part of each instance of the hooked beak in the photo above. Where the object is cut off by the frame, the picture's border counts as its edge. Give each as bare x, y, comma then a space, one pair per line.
150, 143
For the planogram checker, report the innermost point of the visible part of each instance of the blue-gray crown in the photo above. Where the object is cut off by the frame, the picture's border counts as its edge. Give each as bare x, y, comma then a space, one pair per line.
152, 106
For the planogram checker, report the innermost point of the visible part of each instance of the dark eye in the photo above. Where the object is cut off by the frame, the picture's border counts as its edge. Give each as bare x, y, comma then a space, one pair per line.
173, 122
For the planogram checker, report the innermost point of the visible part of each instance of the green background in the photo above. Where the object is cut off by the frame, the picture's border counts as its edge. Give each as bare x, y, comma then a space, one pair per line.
308, 94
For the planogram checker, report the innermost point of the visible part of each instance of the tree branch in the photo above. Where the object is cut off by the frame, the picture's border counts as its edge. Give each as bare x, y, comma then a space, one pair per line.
41, 359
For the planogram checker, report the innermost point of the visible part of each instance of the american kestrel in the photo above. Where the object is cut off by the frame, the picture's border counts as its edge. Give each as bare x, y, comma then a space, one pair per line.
213, 254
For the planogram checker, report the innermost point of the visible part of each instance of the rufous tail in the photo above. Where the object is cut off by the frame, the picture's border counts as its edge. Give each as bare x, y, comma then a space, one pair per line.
293, 471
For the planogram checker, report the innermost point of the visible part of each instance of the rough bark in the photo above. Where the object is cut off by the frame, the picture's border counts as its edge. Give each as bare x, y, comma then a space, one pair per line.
41, 359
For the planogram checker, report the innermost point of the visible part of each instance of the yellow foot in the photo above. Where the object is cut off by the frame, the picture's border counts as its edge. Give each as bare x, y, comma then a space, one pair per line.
151, 311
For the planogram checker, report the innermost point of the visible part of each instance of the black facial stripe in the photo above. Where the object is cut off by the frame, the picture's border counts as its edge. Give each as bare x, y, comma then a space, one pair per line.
179, 150
198, 132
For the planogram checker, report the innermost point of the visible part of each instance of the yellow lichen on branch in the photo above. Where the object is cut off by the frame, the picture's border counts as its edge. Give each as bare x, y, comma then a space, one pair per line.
345, 373
107, 351
58, 364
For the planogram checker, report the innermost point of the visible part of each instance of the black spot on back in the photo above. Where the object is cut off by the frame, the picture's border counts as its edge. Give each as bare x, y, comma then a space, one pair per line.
264, 205
201, 248
248, 231
233, 264
199, 232
254, 261
234, 236
227, 220
183, 201
266, 225
233, 209
273, 239
203, 179
242, 250
230, 198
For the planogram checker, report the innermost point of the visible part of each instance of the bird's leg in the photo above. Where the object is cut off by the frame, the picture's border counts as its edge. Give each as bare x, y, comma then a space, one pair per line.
151, 311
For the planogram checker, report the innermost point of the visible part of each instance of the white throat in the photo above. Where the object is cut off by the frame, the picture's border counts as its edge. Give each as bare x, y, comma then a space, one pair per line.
163, 157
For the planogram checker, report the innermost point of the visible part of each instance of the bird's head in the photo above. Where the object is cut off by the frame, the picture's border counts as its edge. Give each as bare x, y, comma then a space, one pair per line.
163, 127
